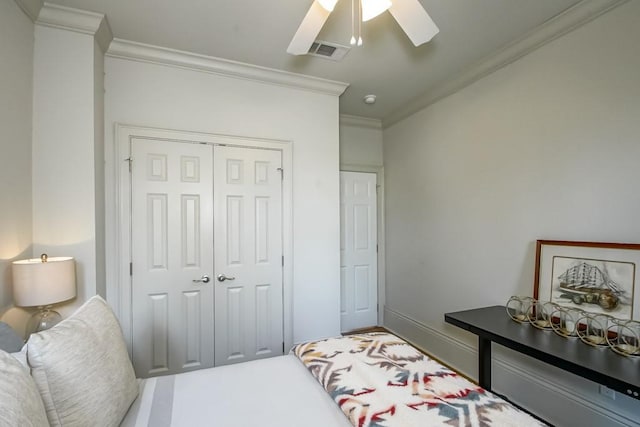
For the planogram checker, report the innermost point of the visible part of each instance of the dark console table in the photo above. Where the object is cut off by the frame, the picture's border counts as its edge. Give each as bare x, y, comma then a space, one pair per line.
492, 324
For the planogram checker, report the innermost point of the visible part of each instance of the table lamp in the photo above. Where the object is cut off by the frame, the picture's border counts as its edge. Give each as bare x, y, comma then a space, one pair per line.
41, 283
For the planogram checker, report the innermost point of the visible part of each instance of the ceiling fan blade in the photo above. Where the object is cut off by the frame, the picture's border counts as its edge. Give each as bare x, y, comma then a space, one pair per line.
308, 30
414, 20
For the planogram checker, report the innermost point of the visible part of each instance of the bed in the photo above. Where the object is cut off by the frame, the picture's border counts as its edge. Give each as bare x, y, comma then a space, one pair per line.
80, 375
271, 392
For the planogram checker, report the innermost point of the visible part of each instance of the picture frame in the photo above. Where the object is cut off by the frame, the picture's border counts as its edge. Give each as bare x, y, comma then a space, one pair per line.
596, 277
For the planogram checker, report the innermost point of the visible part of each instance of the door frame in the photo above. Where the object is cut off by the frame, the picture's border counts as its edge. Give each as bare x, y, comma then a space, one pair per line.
119, 292
379, 171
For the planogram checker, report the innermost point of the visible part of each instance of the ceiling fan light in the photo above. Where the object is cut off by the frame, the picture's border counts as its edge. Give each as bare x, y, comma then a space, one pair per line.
328, 4
373, 8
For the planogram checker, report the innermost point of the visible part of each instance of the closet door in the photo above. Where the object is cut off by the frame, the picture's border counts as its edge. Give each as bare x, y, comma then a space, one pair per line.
248, 254
184, 317
172, 256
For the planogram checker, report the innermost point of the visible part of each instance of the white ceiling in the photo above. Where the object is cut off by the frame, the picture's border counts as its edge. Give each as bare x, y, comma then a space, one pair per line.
388, 65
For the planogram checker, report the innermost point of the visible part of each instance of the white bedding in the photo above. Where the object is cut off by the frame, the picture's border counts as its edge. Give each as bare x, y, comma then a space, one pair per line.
275, 392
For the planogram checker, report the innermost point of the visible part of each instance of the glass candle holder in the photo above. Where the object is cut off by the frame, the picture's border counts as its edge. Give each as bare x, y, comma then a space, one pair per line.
517, 308
593, 327
564, 321
623, 337
539, 314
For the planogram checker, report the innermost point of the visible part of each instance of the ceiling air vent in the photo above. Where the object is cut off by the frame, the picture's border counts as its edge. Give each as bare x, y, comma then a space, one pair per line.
332, 51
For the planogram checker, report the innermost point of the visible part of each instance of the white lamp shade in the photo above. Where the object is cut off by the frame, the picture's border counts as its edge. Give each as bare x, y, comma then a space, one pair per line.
37, 283
373, 8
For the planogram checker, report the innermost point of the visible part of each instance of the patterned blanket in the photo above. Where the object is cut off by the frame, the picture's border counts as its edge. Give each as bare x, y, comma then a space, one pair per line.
379, 380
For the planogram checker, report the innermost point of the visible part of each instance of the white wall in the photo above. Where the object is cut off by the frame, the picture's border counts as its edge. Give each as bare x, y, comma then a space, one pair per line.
152, 95
99, 171
546, 148
68, 154
16, 89
360, 141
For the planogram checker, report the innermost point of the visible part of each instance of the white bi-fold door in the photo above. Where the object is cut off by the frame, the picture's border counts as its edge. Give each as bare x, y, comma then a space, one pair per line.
172, 245
358, 251
183, 220
248, 254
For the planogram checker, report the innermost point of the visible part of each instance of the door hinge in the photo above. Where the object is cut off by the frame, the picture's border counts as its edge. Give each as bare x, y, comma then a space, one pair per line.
130, 269
376, 248
283, 260
130, 160
281, 173
282, 347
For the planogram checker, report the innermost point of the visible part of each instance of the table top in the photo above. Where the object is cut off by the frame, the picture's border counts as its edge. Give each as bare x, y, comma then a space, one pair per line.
601, 365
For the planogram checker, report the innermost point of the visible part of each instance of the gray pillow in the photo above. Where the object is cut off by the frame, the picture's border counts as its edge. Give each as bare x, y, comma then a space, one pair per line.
9, 340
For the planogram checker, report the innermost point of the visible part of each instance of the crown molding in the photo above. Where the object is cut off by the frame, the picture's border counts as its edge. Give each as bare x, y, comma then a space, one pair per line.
563, 23
76, 20
361, 122
141, 52
30, 7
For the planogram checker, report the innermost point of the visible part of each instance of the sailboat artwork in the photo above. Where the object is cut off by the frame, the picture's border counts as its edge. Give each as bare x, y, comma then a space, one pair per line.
594, 285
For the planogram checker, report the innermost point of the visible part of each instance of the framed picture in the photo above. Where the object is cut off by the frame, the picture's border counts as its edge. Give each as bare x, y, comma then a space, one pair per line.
591, 276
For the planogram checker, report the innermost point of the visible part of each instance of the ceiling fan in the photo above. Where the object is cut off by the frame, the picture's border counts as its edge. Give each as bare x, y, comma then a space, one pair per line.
409, 14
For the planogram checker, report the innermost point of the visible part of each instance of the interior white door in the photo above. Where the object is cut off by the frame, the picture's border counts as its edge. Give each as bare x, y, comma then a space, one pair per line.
358, 251
248, 254
172, 256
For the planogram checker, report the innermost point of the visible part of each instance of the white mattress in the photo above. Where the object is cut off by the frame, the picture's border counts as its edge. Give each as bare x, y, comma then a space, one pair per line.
276, 392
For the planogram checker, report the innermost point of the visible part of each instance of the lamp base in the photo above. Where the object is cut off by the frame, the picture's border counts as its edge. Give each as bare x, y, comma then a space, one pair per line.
42, 320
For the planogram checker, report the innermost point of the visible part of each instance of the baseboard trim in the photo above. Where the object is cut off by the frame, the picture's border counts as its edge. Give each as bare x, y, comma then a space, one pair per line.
457, 354
462, 357
560, 389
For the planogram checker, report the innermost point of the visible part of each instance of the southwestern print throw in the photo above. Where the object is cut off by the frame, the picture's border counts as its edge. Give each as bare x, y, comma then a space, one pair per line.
379, 380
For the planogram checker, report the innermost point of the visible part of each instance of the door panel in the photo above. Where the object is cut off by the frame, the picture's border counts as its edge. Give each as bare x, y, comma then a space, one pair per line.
358, 251
172, 244
248, 250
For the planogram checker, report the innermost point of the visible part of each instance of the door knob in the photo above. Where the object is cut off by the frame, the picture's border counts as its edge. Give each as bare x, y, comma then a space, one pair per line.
203, 279
222, 278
